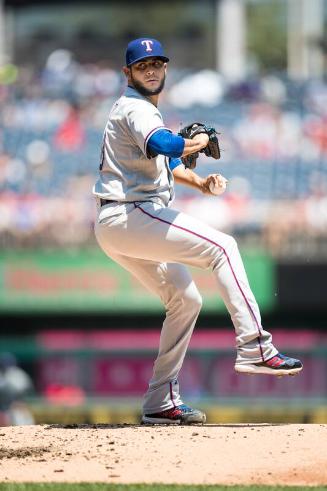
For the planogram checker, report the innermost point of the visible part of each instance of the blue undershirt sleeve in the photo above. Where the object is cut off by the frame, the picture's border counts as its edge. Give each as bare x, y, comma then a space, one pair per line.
173, 163
164, 142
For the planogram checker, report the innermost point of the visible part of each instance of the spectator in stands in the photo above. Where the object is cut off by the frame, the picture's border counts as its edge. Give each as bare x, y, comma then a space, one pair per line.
15, 385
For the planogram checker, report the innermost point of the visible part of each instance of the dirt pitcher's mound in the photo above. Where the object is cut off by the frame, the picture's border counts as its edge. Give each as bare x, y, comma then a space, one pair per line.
212, 454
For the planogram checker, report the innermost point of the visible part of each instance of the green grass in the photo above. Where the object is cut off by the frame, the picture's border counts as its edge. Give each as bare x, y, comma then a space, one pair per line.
145, 487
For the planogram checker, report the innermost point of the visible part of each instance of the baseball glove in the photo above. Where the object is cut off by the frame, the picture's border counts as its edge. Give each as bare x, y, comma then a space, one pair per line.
211, 150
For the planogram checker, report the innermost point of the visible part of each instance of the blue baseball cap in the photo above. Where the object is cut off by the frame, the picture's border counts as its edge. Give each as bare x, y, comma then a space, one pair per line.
144, 48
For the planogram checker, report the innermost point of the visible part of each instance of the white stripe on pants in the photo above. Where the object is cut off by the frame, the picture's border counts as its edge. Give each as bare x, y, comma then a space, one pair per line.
148, 240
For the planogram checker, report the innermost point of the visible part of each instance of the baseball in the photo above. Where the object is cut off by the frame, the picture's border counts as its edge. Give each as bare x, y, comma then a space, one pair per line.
217, 190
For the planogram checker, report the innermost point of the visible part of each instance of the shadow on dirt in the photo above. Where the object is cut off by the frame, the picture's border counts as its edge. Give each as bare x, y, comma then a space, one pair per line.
103, 426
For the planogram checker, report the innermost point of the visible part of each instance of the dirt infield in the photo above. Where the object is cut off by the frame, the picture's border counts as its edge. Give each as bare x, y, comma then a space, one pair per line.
211, 454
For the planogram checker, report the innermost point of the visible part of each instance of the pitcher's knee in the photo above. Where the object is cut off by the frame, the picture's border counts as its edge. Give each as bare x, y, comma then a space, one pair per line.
192, 299
188, 300
231, 243
223, 252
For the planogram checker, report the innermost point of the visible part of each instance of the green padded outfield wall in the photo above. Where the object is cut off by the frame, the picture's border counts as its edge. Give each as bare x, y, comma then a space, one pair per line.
86, 281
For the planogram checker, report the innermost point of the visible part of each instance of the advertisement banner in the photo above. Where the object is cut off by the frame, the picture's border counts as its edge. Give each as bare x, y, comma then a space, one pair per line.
83, 281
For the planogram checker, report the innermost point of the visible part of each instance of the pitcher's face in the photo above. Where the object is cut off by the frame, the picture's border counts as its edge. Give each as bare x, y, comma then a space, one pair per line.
147, 76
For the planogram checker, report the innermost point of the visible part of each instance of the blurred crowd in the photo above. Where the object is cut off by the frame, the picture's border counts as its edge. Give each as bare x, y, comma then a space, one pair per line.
273, 137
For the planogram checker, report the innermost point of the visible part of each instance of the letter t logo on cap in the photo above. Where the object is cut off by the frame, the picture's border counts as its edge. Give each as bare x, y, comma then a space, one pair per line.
148, 43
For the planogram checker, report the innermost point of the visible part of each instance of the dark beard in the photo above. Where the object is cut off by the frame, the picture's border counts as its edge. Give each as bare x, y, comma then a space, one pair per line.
147, 92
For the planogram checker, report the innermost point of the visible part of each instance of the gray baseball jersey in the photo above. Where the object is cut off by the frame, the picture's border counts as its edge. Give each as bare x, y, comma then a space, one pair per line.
127, 172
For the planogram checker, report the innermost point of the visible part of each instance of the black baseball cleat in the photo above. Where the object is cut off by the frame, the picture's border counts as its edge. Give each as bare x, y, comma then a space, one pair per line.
278, 365
180, 415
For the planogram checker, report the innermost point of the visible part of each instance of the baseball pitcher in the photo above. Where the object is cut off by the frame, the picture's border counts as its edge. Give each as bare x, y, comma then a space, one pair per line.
137, 227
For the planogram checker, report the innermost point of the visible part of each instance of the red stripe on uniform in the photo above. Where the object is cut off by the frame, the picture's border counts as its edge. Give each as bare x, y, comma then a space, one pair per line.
228, 260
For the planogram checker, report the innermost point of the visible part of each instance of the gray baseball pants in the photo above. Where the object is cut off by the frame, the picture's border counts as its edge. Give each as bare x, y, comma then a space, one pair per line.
154, 243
